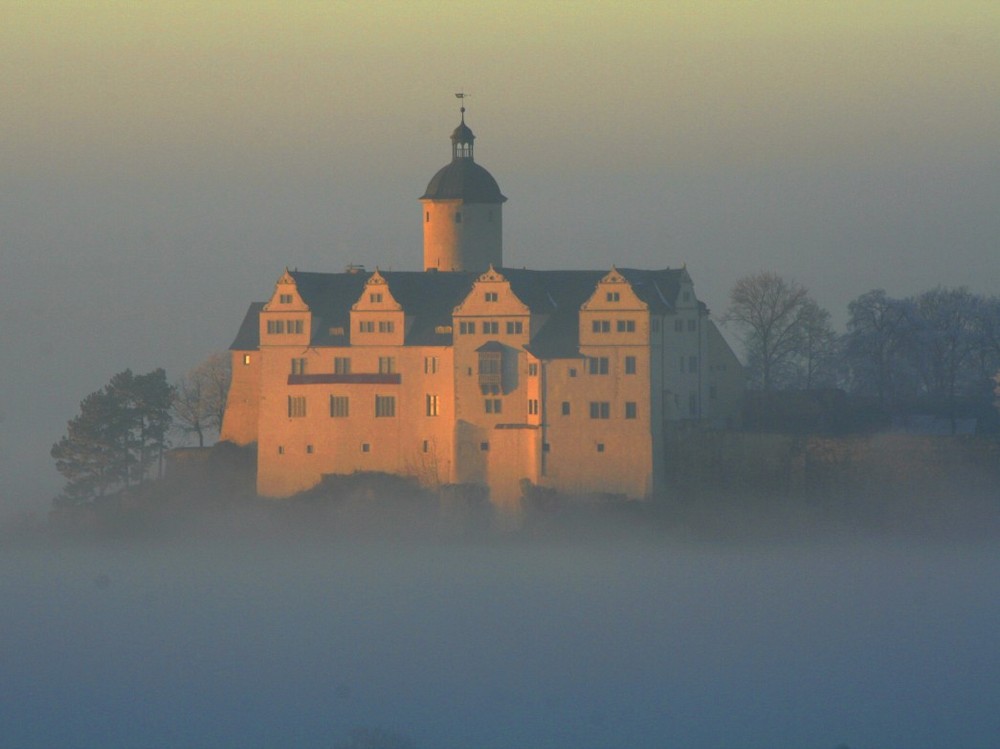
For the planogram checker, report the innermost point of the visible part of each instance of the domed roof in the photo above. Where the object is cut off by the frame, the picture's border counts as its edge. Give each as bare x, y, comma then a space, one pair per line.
462, 133
463, 179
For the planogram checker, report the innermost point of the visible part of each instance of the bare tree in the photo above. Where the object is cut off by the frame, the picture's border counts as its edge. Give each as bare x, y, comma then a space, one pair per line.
878, 334
200, 400
769, 313
819, 355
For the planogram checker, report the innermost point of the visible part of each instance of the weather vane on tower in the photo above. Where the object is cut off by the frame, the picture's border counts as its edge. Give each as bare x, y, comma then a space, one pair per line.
462, 96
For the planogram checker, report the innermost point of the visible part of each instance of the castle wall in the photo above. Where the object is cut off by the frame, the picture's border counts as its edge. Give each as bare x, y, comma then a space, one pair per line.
239, 423
473, 243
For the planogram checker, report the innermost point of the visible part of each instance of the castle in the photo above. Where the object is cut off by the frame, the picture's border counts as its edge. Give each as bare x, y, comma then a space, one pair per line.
473, 373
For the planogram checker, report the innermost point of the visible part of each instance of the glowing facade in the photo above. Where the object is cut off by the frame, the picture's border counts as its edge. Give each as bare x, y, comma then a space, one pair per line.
470, 372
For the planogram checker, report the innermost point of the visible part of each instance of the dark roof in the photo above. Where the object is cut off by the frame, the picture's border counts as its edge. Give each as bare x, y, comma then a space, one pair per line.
248, 338
463, 179
430, 297
462, 133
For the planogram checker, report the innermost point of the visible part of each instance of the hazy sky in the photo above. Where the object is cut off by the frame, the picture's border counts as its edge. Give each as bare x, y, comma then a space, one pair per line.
163, 161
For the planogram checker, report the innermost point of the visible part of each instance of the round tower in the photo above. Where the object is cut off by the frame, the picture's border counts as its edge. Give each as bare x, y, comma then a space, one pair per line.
462, 212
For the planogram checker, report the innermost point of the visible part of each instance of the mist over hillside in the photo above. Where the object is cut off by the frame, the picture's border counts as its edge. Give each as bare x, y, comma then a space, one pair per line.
397, 619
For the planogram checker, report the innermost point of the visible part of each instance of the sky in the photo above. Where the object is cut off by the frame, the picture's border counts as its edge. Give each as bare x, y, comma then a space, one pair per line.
163, 162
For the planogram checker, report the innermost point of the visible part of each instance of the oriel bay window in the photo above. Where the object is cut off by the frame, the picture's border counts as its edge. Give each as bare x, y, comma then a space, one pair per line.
491, 368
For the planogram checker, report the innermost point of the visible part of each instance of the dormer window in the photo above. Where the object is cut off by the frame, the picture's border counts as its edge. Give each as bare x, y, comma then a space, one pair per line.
375, 298
285, 298
613, 296
491, 296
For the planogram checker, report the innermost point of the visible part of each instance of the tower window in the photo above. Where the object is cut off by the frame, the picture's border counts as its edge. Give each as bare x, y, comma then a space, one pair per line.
285, 298
427, 217
375, 298
629, 365
613, 296
246, 358
491, 296
630, 409
598, 365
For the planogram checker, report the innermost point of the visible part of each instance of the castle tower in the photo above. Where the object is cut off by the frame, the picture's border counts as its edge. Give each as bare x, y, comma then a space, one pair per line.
462, 212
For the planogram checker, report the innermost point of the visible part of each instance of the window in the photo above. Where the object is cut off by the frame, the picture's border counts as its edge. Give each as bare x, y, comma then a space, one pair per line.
276, 326
515, 327
692, 325
484, 446
365, 447
285, 298
386, 326
572, 371
600, 410
386, 364
341, 365
491, 327
339, 407
613, 296
598, 365
366, 326
281, 449
309, 449
630, 410
466, 328
430, 364
494, 405
426, 446
565, 408
458, 218
427, 217
546, 447
629, 365
692, 364
600, 447
298, 366
246, 359
625, 326
490, 370
375, 298
433, 404
295, 326
491, 296
600, 326
678, 326
533, 406
532, 370
385, 406
296, 406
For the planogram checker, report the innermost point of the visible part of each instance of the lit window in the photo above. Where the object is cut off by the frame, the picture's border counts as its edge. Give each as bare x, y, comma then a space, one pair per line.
298, 366
296, 406
385, 406
629, 365
341, 365
339, 406
598, 365
246, 358
433, 404
630, 410
386, 364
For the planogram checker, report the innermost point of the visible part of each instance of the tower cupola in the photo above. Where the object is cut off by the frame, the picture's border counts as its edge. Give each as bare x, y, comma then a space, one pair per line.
462, 211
